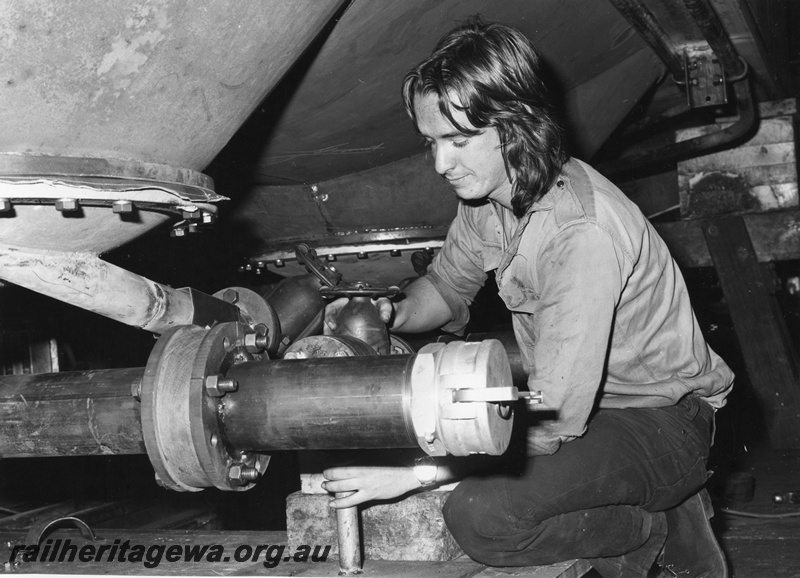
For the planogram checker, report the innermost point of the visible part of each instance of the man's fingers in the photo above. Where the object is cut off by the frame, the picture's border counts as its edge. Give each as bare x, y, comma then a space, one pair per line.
340, 473
385, 309
348, 485
348, 501
332, 310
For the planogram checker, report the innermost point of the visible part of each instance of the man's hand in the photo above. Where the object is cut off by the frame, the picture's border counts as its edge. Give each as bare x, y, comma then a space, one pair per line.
334, 308
368, 483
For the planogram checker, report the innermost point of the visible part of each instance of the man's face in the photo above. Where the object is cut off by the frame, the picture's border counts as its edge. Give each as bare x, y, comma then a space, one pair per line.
473, 165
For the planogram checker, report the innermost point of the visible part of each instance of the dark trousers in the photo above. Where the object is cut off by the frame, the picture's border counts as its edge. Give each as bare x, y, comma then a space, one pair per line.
597, 497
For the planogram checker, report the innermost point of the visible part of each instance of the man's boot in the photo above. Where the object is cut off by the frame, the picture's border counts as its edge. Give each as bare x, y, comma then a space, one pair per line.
691, 549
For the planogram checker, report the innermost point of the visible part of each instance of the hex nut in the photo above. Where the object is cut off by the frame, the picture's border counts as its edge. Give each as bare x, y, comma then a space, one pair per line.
256, 342
241, 474
217, 385
67, 205
122, 206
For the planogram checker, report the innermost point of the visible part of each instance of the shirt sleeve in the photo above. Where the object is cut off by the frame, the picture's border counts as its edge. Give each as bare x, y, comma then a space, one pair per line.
457, 270
580, 273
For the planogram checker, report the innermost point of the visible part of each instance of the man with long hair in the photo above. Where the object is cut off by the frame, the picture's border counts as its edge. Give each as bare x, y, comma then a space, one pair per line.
614, 470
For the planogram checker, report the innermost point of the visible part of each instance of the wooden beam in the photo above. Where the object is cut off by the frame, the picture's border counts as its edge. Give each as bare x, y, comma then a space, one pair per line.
771, 359
775, 236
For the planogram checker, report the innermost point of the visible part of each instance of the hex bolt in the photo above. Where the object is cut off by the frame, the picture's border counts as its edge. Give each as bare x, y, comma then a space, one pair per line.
395, 252
136, 390
280, 263
5, 205
66, 205
362, 255
230, 295
217, 385
241, 474
178, 232
207, 218
188, 211
122, 206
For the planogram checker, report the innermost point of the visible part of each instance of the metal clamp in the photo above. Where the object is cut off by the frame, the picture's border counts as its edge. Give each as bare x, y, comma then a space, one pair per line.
495, 395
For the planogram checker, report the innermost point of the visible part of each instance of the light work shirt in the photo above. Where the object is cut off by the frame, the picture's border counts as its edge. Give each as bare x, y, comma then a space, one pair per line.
600, 310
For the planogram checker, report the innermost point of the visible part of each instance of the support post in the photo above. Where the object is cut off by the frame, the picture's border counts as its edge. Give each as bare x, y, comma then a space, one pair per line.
349, 538
770, 358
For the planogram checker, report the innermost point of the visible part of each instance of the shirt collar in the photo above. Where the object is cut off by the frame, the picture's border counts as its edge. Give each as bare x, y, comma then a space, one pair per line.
547, 201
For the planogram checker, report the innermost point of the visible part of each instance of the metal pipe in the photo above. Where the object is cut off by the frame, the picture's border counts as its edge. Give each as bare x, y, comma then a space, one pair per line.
643, 21
701, 145
338, 403
86, 281
73, 413
325, 403
713, 31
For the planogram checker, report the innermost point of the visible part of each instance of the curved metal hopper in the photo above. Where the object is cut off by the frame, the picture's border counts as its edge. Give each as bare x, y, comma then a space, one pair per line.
109, 111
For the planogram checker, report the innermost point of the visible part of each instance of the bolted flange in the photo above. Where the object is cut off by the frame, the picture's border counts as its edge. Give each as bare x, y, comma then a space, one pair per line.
182, 389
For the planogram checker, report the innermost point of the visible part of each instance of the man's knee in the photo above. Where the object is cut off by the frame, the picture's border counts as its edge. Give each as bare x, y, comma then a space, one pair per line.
480, 524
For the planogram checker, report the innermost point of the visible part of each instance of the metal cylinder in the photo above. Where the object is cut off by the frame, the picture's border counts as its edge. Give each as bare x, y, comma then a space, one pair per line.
299, 306
75, 413
519, 374
88, 282
331, 403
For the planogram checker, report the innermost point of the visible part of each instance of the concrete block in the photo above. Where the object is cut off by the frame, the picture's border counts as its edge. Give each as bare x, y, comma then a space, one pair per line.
409, 529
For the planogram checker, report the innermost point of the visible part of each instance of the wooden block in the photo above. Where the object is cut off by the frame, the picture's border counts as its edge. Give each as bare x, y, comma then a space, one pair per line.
410, 529
756, 176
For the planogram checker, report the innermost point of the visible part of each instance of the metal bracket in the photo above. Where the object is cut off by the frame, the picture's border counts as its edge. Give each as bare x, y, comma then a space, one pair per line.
705, 78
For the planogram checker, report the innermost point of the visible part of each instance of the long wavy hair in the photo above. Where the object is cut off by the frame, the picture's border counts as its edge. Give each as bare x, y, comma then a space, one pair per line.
493, 74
